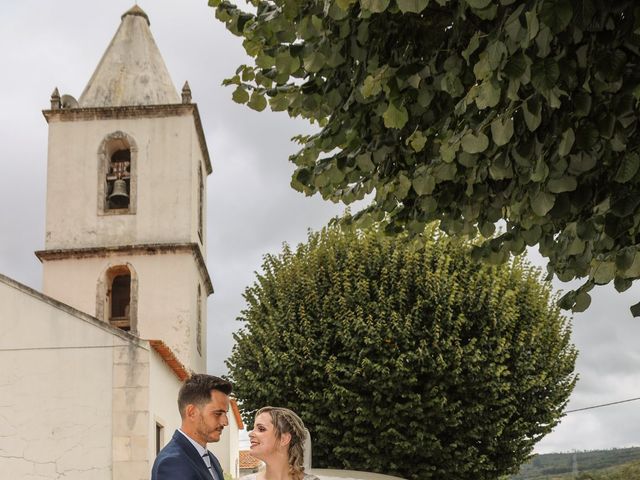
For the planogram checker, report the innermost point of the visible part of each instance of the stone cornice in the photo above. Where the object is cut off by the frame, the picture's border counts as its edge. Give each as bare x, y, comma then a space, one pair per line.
134, 111
139, 249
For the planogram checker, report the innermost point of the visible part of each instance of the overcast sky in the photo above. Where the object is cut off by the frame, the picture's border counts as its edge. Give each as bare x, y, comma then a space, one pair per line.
251, 208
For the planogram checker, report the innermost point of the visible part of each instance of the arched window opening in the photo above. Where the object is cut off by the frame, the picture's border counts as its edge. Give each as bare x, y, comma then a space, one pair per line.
120, 299
117, 297
119, 179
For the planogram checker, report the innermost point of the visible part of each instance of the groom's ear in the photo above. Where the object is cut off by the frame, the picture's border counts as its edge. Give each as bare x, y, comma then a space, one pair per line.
190, 410
285, 439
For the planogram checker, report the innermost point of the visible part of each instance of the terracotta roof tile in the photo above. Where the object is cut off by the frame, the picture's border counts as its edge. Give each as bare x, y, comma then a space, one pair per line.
248, 461
169, 357
236, 413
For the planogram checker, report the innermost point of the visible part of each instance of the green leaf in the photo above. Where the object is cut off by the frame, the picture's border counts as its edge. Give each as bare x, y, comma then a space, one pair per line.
532, 235
345, 4
240, 95
414, 81
478, 3
635, 310
445, 171
622, 284
603, 272
417, 141
556, 14
257, 101
395, 116
568, 138
533, 25
625, 259
628, 168
496, 51
314, 61
374, 6
474, 43
545, 74
364, 162
542, 202
285, 63
562, 184
581, 162
474, 143
337, 13
424, 184
265, 61
488, 13
279, 103
371, 86
488, 95
412, 6
532, 111
540, 172
502, 131
582, 302
448, 151
482, 69
543, 41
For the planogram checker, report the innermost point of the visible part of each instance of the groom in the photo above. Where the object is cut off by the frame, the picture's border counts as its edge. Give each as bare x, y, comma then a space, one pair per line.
203, 402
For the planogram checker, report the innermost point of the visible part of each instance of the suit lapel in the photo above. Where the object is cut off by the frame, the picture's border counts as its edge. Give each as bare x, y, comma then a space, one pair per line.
192, 454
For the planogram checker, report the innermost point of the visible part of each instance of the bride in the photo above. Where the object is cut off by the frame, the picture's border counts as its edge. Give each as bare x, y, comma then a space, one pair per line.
277, 439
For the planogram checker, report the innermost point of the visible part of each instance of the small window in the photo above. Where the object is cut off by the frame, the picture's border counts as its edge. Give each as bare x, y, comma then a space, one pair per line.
199, 322
159, 437
200, 204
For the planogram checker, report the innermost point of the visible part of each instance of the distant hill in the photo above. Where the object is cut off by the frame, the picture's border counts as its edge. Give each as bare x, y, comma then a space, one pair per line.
559, 466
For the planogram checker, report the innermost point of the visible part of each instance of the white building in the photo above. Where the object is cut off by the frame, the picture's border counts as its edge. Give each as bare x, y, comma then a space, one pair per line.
92, 366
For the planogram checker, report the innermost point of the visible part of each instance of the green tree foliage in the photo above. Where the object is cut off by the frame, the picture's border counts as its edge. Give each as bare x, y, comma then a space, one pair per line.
467, 112
411, 361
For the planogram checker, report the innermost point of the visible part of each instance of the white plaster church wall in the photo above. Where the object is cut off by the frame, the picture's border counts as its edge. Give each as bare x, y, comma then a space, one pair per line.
79, 400
164, 183
56, 391
164, 386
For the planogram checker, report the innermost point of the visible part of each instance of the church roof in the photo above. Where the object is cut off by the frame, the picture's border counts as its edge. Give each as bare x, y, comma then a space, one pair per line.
131, 71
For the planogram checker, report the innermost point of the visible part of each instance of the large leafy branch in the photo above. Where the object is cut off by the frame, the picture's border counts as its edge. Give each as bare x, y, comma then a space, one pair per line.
468, 113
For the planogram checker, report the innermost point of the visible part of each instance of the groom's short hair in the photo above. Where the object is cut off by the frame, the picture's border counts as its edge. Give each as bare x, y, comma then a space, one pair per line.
196, 390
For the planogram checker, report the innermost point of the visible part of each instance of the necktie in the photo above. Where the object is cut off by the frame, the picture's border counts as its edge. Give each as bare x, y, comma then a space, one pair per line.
207, 462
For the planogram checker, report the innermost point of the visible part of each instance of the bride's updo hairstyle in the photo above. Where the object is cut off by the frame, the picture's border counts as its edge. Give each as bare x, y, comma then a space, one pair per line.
286, 421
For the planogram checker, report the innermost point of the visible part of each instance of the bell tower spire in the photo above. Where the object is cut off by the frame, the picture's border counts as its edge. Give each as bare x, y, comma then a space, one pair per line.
126, 198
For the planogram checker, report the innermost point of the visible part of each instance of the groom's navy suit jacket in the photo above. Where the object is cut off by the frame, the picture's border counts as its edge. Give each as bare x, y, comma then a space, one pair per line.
179, 460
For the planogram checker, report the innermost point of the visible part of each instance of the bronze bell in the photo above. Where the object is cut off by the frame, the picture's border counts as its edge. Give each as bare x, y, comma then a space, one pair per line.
119, 196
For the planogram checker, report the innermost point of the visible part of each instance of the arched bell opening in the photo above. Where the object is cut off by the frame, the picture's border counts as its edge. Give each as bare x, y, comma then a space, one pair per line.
119, 179
117, 158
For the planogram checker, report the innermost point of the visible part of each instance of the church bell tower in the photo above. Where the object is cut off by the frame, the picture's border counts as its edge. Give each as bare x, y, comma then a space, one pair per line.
126, 199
